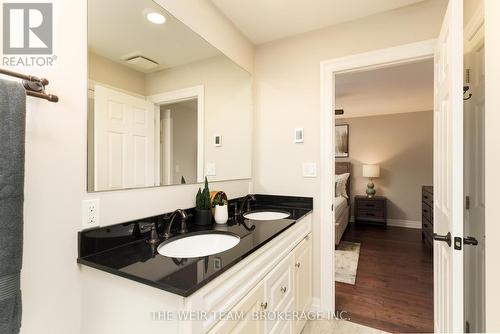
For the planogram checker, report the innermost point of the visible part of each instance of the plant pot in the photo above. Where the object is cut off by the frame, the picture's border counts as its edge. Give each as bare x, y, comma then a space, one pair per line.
221, 214
203, 217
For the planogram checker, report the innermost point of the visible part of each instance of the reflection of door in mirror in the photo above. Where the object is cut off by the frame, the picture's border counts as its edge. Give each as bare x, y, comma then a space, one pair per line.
150, 75
123, 140
179, 141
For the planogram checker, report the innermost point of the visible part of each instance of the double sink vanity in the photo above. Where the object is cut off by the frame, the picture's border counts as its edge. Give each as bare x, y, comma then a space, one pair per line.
259, 263
166, 111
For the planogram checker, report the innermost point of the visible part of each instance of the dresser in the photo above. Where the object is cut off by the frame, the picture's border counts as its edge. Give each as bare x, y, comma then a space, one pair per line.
427, 215
370, 210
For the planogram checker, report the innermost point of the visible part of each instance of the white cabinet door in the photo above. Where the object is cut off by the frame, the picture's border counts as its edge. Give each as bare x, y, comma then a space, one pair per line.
303, 278
124, 140
448, 172
252, 303
278, 292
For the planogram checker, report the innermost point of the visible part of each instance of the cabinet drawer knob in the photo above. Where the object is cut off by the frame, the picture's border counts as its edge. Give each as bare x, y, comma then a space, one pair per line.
297, 264
263, 305
283, 289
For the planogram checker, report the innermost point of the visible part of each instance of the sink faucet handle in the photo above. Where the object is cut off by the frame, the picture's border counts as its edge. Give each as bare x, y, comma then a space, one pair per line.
235, 207
153, 234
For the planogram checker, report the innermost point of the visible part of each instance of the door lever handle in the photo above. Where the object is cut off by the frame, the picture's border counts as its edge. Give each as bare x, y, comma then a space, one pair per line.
446, 238
470, 241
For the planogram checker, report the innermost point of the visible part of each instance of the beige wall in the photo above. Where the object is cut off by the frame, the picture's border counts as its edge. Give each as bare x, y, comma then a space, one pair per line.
492, 161
105, 71
401, 144
228, 110
184, 142
55, 183
287, 95
209, 23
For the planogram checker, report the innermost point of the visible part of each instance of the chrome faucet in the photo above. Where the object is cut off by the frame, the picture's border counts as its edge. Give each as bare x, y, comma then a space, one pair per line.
184, 218
246, 201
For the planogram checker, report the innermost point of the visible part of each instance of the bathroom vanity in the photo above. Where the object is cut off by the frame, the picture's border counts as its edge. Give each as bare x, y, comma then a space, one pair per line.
166, 110
136, 289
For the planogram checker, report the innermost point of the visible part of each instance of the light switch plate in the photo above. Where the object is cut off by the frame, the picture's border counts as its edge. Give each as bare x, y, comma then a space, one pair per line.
211, 169
299, 135
309, 169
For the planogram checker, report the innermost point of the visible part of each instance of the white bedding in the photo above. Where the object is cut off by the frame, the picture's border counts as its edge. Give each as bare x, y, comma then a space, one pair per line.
340, 205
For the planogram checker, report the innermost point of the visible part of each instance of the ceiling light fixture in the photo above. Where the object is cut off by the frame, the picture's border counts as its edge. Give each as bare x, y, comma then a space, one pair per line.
156, 18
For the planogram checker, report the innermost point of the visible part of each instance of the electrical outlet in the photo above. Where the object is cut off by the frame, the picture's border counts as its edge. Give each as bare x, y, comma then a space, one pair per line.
90, 213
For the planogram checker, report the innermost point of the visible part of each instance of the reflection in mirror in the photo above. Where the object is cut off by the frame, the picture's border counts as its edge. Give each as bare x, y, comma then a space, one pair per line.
158, 97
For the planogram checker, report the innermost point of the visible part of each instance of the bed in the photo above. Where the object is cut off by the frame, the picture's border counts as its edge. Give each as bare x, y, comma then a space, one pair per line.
342, 207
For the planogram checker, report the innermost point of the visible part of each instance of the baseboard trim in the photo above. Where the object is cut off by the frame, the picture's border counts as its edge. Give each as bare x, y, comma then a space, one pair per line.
399, 223
404, 223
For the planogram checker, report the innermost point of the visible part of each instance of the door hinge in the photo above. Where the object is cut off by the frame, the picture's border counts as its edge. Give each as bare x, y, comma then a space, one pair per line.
332, 207
467, 203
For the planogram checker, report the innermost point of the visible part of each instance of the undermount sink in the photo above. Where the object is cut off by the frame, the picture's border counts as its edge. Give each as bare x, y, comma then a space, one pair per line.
266, 215
198, 245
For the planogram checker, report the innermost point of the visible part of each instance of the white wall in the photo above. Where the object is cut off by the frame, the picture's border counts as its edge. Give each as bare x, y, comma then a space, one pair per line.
492, 161
209, 23
287, 95
56, 181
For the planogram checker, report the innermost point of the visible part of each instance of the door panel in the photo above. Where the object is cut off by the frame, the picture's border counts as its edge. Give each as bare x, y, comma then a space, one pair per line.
474, 256
124, 140
249, 305
448, 170
303, 279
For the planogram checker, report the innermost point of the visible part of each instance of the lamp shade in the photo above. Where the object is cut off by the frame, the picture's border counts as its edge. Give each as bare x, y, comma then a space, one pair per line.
371, 171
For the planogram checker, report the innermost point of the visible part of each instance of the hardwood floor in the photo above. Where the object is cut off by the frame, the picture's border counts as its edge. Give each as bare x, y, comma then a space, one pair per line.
394, 283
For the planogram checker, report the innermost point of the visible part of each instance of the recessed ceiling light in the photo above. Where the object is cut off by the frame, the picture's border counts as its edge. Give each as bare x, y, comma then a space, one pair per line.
156, 18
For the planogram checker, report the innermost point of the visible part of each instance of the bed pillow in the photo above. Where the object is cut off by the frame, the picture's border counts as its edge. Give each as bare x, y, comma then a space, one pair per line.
341, 185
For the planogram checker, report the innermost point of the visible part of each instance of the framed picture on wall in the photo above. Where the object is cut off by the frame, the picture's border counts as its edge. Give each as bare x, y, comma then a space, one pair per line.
342, 141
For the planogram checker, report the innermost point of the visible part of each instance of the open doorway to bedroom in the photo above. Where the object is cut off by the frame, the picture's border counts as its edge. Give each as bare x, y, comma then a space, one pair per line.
383, 143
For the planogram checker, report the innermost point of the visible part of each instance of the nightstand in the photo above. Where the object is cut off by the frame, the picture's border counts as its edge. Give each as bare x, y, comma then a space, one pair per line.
370, 210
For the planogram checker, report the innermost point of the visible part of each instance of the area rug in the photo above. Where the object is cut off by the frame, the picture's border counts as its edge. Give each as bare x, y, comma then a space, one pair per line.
346, 262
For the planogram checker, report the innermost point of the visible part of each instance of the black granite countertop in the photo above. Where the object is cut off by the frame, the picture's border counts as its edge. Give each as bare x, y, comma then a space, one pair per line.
122, 249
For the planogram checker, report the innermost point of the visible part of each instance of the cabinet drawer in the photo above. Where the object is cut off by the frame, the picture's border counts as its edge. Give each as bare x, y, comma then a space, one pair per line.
427, 212
370, 205
370, 214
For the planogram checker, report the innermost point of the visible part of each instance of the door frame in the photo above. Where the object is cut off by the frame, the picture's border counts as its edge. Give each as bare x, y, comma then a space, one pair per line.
180, 95
406, 53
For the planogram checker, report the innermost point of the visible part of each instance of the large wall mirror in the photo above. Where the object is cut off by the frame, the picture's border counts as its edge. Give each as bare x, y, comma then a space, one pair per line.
164, 106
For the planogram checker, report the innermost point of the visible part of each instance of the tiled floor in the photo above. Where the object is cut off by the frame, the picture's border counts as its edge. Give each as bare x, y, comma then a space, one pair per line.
337, 327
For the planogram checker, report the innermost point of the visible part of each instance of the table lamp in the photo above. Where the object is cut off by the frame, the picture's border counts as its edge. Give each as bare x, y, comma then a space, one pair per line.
371, 171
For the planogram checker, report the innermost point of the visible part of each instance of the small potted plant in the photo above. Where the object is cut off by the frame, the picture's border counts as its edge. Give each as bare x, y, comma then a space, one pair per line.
203, 213
220, 204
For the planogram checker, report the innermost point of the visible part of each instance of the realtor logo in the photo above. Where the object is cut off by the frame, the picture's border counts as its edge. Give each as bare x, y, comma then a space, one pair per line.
27, 28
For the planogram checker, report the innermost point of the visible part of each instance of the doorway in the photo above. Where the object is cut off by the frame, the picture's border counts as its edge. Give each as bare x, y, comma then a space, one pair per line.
383, 255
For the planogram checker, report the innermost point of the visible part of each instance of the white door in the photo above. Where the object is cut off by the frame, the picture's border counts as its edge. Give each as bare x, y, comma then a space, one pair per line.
448, 172
124, 140
474, 256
